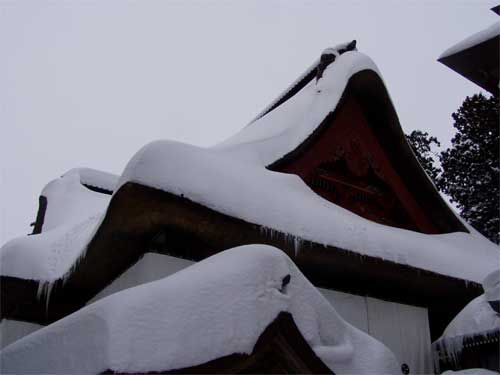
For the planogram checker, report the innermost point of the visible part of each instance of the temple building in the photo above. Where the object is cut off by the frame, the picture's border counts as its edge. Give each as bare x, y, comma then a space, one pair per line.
174, 265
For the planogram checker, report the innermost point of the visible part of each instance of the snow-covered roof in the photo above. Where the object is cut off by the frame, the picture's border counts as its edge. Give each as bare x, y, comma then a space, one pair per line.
305, 77
73, 214
282, 130
231, 178
478, 317
148, 327
69, 201
473, 40
97, 179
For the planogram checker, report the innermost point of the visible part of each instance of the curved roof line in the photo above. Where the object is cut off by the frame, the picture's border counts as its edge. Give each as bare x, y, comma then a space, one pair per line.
305, 78
367, 86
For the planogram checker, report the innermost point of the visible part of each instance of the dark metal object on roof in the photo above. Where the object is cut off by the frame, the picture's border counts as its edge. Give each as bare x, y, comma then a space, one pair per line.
40, 216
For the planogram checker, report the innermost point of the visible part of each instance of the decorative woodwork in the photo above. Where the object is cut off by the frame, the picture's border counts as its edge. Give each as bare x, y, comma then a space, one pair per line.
346, 165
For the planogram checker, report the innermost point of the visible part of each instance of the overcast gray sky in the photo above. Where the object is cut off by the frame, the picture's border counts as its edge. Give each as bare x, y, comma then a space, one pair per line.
87, 83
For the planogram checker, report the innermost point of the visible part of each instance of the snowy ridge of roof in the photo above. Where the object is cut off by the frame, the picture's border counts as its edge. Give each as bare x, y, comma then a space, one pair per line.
337, 51
473, 40
130, 331
285, 92
99, 179
70, 202
287, 126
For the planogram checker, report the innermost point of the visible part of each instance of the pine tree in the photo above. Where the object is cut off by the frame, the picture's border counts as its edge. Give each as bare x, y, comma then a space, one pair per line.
471, 165
422, 145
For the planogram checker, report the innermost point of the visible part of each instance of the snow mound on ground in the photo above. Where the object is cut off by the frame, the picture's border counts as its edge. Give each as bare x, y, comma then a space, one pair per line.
473, 40
148, 328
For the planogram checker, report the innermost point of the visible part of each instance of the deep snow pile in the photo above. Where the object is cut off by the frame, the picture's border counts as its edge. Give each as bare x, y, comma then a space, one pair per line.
148, 328
73, 213
473, 40
231, 178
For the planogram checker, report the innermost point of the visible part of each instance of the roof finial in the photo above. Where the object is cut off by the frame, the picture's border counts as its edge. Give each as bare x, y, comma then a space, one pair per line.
330, 54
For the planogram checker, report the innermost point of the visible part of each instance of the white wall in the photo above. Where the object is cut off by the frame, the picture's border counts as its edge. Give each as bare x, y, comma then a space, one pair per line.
402, 328
12, 330
150, 267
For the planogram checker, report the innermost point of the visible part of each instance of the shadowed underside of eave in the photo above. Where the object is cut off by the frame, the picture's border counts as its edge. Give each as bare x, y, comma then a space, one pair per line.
479, 64
280, 349
138, 215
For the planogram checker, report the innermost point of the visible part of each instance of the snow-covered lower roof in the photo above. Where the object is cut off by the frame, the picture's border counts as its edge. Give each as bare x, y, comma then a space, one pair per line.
478, 317
70, 202
149, 327
72, 215
231, 178
473, 40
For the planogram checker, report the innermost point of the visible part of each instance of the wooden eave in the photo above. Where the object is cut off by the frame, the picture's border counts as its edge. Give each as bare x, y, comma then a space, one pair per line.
280, 349
139, 215
479, 64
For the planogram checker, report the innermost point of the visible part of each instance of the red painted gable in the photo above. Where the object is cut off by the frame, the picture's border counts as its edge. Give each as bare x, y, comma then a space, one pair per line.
346, 165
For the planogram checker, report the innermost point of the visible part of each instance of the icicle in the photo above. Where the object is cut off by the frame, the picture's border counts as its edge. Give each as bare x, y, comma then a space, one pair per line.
44, 291
297, 242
